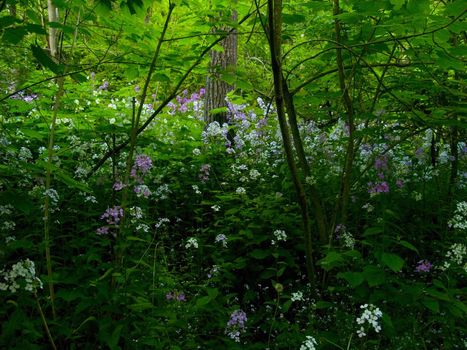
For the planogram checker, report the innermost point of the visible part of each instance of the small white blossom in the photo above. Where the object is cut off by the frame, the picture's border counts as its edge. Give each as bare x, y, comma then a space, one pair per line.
222, 239
240, 190
309, 344
279, 235
191, 243
297, 296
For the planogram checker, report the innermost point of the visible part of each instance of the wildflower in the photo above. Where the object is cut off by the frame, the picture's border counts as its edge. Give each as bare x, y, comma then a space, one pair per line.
459, 220
236, 325
279, 235
181, 297
136, 212
196, 152
23, 273
424, 266
297, 296
371, 315
143, 163
52, 194
204, 172
222, 239
309, 344
161, 222
381, 187
254, 174
113, 215
240, 190
216, 208
142, 190
196, 189
191, 243
117, 186
104, 230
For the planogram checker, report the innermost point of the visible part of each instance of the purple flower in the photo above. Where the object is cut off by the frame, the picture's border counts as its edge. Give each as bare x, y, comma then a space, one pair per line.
169, 296
381, 162
236, 325
137, 88
118, 186
202, 91
142, 190
93, 75
424, 266
104, 86
381, 187
113, 215
181, 297
104, 230
400, 183
143, 163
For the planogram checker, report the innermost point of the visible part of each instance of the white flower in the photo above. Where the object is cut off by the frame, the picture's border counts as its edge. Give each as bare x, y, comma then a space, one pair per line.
298, 296
112, 121
221, 238
216, 208
309, 344
23, 270
279, 235
371, 315
254, 174
191, 243
196, 189
196, 152
240, 190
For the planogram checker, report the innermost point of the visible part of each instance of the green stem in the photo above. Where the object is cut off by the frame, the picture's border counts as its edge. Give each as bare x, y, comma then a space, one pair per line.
44, 321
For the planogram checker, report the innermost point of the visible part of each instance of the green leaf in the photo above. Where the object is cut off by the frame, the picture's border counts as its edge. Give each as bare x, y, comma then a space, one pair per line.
203, 301
260, 254
393, 261
431, 304
331, 260
293, 18
45, 60
375, 276
353, 278
408, 246
397, 4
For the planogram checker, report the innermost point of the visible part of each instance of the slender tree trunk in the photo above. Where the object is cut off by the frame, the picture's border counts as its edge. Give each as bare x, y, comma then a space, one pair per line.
53, 17
348, 105
216, 89
275, 28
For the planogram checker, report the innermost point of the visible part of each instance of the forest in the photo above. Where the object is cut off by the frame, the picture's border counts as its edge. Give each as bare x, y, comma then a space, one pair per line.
243, 174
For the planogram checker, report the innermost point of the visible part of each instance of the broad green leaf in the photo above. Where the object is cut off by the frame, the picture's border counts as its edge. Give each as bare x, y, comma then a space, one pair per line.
353, 278
431, 304
45, 60
393, 261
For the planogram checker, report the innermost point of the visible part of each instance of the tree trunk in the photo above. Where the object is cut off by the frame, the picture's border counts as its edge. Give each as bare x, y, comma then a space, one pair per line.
53, 17
216, 89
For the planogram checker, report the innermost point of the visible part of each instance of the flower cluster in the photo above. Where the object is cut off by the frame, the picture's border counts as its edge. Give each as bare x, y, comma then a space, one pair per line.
297, 296
191, 243
279, 235
23, 273
459, 220
344, 236
309, 344
221, 238
113, 215
371, 315
424, 266
236, 325
175, 296
456, 255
